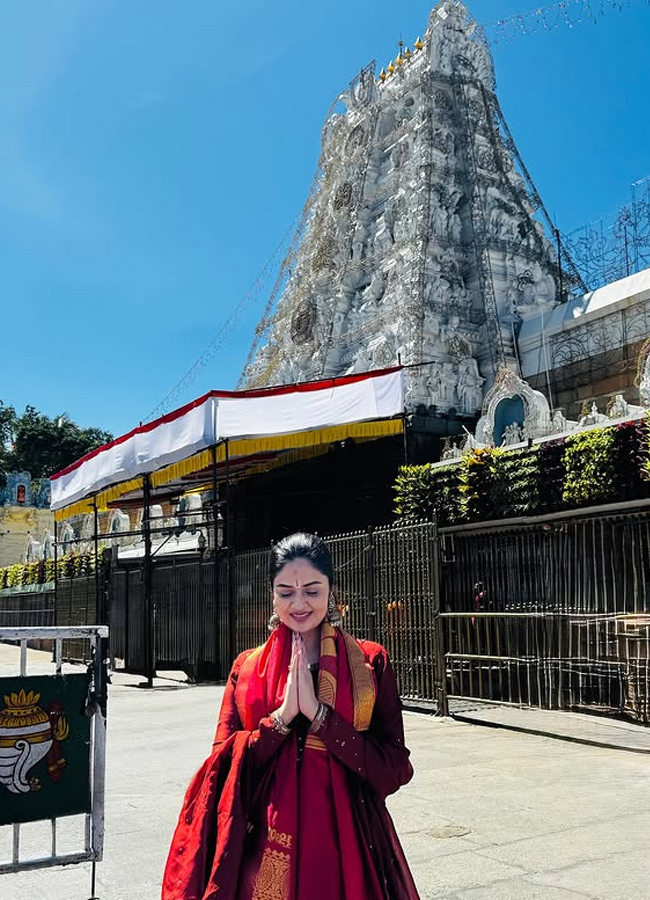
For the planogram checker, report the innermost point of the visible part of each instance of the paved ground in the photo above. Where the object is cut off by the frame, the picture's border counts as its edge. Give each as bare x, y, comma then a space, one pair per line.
491, 814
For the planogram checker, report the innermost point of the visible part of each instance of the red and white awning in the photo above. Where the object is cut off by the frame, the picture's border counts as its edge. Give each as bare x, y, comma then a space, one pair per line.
226, 415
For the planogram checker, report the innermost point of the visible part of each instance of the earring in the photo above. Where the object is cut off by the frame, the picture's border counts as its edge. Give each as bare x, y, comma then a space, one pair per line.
333, 616
274, 622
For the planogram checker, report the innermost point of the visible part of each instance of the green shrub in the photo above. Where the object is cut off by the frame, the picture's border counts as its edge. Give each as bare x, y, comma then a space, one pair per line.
520, 473
552, 473
49, 570
483, 491
15, 575
602, 465
590, 469
422, 491
630, 458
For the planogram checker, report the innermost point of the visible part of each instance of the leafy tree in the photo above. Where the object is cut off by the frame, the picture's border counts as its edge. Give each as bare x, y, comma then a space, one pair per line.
7, 433
40, 445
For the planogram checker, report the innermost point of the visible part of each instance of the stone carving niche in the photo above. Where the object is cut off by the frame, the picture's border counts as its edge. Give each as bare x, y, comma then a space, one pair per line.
515, 410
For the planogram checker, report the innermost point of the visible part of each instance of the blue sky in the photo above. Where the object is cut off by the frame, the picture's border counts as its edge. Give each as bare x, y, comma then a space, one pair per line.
153, 154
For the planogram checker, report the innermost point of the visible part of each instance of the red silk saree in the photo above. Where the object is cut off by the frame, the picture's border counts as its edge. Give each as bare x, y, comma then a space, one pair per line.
270, 817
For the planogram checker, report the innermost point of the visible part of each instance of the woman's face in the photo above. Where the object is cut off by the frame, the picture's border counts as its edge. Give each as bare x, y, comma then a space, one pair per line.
300, 595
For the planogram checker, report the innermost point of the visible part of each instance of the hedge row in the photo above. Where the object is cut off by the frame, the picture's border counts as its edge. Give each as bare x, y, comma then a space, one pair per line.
603, 465
69, 566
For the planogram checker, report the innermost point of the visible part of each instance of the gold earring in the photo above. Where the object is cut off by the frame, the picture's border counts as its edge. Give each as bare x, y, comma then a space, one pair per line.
274, 622
333, 616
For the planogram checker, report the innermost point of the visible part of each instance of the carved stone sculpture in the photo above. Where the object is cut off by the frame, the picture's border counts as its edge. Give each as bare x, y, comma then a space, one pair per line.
409, 245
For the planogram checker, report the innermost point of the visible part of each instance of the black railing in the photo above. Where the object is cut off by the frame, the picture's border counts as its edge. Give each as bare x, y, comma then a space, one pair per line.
554, 614
551, 612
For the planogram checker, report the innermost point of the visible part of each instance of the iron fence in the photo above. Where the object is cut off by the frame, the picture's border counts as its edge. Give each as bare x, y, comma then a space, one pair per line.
25, 608
550, 613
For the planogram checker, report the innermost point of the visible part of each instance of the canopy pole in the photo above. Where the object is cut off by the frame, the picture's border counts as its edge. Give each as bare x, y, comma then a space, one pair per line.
232, 611
99, 616
56, 572
216, 643
148, 599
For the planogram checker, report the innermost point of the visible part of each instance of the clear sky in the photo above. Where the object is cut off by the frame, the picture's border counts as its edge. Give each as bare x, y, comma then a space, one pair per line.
154, 153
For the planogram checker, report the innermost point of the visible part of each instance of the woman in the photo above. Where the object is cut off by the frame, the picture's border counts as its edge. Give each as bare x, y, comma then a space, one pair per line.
310, 741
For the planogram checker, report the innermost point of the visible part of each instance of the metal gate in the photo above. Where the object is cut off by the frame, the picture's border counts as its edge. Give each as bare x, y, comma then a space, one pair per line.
52, 750
552, 612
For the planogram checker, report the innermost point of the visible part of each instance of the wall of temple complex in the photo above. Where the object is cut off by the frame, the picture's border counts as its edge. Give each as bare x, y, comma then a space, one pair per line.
17, 525
592, 348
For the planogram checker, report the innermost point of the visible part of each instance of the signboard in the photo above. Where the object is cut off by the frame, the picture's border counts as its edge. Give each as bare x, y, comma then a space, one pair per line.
45, 750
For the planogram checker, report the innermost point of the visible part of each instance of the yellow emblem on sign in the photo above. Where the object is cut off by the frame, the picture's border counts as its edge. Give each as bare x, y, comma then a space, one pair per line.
28, 733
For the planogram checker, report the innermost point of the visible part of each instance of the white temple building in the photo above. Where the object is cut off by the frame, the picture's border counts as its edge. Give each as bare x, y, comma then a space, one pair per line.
423, 237
424, 242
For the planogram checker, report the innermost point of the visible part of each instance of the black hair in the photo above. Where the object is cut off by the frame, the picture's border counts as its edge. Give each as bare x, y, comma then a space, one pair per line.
302, 546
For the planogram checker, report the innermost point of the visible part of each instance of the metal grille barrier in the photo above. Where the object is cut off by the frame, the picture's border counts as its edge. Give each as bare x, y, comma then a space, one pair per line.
52, 810
23, 607
252, 598
553, 613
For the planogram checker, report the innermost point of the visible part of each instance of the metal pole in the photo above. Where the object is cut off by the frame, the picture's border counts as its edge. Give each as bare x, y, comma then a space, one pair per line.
98, 611
370, 584
439, 645
215, 643
56, 571
93, 881
148, 599
232, 612
559, 265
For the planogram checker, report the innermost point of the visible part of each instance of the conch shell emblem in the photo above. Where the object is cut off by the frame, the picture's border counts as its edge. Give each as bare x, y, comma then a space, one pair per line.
29, 733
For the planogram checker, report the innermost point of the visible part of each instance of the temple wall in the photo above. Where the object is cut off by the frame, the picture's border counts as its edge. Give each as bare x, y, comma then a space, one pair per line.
17, 524
598, 379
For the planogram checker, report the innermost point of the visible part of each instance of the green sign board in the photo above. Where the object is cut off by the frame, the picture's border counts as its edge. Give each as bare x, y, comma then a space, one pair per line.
44, 748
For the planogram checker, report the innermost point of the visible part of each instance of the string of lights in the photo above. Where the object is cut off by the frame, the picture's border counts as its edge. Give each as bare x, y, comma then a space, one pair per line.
566, 13
172, 398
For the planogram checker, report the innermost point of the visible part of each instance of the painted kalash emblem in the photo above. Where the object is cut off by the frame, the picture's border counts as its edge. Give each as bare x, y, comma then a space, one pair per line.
28, 734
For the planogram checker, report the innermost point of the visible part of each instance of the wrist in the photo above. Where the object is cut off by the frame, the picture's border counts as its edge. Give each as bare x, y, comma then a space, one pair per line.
280, 724
287, 714
320, 718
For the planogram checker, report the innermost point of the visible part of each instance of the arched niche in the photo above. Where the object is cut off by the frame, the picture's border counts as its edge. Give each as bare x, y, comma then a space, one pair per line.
509, 411
509, 387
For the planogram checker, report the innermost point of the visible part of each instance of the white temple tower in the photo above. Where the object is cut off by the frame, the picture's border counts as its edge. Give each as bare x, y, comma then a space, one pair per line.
418, 242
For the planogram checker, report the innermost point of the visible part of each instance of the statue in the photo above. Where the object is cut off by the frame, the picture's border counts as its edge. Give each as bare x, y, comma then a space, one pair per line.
591, 416
433, 382
512, 434
375, 290
470, 384
383, 234
644, 386
450, 450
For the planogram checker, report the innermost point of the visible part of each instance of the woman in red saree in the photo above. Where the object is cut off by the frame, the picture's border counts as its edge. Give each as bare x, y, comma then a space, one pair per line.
310, 742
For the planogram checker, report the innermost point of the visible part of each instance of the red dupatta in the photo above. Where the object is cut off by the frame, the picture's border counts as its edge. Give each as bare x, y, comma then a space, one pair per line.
283, 831
306, 843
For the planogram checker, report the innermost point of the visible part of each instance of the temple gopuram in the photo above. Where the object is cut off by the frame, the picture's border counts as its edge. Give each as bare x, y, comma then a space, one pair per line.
425, 242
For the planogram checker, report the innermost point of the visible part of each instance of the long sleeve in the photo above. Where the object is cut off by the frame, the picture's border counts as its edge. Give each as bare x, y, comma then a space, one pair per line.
379, 755
265, 741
